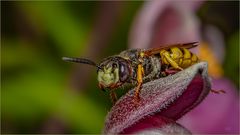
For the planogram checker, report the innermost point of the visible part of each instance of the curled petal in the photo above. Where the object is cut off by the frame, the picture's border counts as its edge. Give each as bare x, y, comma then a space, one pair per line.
168, 97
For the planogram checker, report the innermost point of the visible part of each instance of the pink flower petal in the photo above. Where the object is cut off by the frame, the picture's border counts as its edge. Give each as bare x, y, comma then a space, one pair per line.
165, 22
220, 110
169, 97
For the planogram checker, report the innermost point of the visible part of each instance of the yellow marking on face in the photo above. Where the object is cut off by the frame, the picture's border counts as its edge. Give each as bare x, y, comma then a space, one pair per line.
106, 77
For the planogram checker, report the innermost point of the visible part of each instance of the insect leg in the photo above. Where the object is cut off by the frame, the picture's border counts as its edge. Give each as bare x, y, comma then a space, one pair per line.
218, 91
166, 55
101, 87
170, 71
140, 73
113, 96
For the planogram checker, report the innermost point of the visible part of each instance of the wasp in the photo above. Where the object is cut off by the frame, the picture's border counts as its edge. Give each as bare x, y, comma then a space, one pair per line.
138, 66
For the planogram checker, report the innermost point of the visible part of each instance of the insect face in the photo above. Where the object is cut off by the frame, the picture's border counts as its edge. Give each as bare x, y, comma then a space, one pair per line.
108, 75
113, 73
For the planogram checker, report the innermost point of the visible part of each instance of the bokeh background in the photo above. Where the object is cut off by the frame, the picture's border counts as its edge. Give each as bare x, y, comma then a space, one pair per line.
42, 94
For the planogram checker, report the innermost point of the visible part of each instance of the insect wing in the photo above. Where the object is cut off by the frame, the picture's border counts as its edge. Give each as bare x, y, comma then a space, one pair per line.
153, 51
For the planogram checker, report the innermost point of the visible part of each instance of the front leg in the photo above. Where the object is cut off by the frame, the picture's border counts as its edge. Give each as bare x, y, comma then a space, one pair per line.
113, 96
140, 73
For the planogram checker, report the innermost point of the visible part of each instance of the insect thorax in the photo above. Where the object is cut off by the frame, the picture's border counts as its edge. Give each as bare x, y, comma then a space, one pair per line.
151, 65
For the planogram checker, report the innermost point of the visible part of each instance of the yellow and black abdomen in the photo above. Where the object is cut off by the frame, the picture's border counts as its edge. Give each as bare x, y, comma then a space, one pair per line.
178, 58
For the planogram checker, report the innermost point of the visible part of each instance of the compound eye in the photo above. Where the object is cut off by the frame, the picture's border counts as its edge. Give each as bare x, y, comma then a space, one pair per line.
123, 72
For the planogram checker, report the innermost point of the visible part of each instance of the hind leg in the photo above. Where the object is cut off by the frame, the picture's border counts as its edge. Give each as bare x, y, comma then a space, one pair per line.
218, 91
166, 55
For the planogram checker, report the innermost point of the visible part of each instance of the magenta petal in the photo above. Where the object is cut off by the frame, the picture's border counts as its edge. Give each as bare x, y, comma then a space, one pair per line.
169, 97
163, 22
221, 111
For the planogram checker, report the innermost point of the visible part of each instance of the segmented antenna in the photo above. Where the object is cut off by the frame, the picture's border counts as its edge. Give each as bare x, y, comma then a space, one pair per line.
81, 60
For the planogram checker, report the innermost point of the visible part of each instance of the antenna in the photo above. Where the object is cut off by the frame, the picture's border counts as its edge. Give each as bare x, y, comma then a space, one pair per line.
81, 60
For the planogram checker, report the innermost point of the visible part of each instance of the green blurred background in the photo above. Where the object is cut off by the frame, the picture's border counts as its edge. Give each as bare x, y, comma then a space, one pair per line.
42, 94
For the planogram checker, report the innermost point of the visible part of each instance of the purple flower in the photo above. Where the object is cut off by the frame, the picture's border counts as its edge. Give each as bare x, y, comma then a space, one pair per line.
162, 102
167, 22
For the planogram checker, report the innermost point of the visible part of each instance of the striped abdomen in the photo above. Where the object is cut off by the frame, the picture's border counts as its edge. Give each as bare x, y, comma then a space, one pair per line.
182, 56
